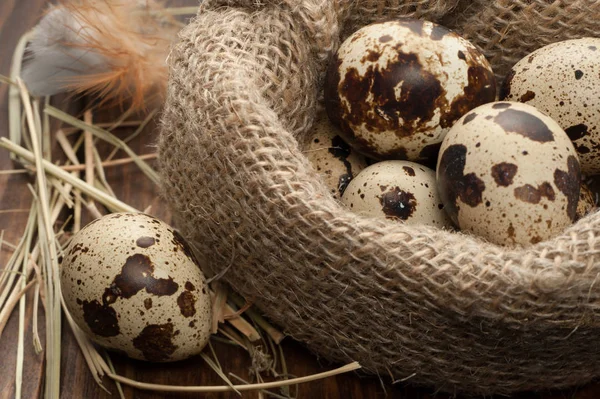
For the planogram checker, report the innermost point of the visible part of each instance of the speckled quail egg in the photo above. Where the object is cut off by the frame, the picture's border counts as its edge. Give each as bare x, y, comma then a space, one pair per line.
331, 156
562, 80
587, 201
131, 284
395, 88
397, 190
510, 174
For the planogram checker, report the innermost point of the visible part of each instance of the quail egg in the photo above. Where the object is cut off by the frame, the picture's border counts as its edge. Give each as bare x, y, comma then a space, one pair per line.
510, 174
395, 88
562, 80
331, 156
131, 283
397, 190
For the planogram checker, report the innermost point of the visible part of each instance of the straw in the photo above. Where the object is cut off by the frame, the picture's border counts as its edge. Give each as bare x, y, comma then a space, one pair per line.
14, 105
241, 388
110, 202
106, 136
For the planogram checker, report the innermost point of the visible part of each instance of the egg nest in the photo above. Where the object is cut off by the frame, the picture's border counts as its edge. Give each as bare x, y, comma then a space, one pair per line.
416, 302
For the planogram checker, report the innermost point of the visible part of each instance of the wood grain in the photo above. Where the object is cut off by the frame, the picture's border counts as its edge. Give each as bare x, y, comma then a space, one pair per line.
130, 185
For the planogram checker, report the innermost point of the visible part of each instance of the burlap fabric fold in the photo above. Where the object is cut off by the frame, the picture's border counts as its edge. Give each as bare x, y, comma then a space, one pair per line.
434, 307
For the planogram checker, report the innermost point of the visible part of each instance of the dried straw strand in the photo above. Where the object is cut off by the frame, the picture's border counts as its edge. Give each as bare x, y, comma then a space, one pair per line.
87, 349
5, 211
67, 148
109, 126
46, 136
106, 136
11, 303
272, 394
110, 202
53, 314
242, 388
13, 172
22, 308
136, 133
89, 150
14, 104
108, 164
5, 243
241, 324
233, 336
273, 332
216, 366
37, 342
7, 276
284, 368
117, 383
100, 172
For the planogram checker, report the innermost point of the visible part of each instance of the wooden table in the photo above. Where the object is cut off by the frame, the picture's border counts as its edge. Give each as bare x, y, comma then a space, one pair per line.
16, 17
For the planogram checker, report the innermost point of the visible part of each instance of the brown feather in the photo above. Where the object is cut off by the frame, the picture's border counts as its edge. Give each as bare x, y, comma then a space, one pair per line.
134, 38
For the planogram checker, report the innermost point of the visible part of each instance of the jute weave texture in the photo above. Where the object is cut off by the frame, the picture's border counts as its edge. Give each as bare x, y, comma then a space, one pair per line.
444, 309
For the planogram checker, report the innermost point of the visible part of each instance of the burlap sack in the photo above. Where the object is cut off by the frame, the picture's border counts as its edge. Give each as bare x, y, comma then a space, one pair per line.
432, 307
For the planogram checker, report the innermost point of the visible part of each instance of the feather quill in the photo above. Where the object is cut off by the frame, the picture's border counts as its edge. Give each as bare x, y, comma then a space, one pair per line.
113, 49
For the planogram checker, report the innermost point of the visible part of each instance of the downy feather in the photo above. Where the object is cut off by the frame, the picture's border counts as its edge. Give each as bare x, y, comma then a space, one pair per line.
114, 49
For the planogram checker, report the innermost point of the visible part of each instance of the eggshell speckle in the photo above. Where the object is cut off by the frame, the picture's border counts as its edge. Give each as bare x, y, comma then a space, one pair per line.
131, 284
510, 174
335, 161
395, 88
397, 190
562, 80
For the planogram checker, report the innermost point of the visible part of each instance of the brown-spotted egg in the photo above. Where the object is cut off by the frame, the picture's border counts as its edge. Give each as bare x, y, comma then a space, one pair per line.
563, 80
510, 174
587, 201
131, 284
335, 161
395, 88
397, 190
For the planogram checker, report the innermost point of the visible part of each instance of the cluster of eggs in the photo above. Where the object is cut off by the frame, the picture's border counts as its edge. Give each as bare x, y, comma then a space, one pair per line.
418, 103
403, 98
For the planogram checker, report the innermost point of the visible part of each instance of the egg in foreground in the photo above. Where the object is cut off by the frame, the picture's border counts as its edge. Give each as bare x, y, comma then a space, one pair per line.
131, 284
509, 174
397, 190
395, 88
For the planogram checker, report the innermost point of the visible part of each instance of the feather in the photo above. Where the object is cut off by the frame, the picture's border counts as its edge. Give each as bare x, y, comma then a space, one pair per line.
113, 49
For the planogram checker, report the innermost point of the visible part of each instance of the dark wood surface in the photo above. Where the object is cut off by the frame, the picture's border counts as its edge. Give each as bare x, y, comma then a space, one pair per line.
16, 17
